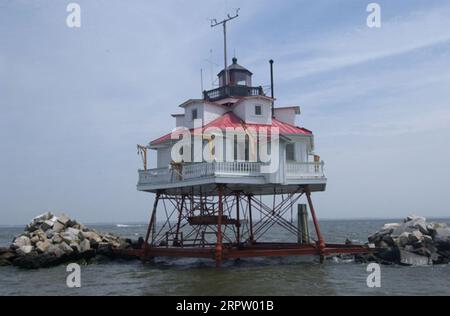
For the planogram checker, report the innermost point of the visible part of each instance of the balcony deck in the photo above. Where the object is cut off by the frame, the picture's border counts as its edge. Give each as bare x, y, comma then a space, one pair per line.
232, 91
239, 176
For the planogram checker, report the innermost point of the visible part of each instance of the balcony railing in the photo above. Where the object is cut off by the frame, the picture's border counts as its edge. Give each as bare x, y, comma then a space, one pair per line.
232, 91
294, 170
304, 169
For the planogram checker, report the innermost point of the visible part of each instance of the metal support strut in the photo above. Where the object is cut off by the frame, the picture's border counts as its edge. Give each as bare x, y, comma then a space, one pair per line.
151, 226
219, 246
320, 239
220, 224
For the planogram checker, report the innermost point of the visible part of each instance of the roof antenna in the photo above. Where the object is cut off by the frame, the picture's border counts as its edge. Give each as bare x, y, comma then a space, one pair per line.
211, 63
271, 87
201, 79
214, 23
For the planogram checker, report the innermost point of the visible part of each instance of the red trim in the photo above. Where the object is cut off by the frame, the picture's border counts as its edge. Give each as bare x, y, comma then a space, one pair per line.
231, 120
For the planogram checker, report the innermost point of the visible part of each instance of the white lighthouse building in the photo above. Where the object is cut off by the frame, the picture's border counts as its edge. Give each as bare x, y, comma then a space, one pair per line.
230, 170
268, 152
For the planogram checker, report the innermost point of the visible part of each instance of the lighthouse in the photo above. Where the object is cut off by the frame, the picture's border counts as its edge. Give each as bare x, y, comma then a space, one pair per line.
232, 168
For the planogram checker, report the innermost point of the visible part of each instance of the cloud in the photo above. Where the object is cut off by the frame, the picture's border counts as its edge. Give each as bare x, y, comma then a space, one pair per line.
345, 48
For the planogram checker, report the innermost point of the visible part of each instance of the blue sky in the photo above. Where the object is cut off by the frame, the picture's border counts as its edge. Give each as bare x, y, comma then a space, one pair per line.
75, 102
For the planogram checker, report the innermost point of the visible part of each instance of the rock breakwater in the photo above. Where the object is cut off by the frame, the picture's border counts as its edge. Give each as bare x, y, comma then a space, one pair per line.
50, 240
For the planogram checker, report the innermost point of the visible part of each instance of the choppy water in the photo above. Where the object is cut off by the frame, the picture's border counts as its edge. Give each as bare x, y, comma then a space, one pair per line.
274, 276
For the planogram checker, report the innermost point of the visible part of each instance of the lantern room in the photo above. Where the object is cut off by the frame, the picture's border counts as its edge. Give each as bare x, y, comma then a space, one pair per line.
236, 75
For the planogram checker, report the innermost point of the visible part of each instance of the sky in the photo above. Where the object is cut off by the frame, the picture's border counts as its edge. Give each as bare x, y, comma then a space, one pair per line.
74, 102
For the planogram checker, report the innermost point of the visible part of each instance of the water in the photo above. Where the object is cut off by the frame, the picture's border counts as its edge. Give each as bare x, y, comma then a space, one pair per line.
273, 276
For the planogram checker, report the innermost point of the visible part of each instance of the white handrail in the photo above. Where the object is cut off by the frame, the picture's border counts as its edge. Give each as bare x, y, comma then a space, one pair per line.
294, 170
304, 169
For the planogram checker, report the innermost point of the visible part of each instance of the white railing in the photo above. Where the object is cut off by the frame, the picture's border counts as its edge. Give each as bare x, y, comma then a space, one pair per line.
304, 169
198, 170
294, 170
161, 175
238, 168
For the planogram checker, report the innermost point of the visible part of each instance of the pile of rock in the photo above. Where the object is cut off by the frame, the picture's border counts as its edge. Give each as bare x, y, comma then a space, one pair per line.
49, 240
413, 242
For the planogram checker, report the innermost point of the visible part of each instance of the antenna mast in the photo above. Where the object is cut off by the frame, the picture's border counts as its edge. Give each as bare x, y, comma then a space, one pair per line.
201, 80
211, 67
214, 23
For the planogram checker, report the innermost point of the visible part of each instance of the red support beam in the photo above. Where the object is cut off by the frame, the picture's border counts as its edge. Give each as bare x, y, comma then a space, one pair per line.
150, 226
252, 251
321, 241
223, 247
219, 246
180, 217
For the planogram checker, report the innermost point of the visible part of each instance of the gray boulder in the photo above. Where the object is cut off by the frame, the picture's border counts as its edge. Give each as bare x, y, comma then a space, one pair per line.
34, 239
75, 247
55, 250
48, 224
70, 237
412, 259
442, 234
415, 237
412, 218
414, 222
50, 241
56, 239
63, 219
38, 221
42, 246
85, 245
92, 236
58, 227
442, 238
73, 231
403, 239
21, 241
65, 248
432, 227
24, 250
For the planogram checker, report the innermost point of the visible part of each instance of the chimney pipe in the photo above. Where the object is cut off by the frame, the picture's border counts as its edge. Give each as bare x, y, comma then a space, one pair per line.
271, 87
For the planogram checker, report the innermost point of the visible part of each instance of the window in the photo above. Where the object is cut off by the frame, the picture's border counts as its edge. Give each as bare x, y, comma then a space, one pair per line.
258, 110
241, 152
240, 79
290, 152
194, 114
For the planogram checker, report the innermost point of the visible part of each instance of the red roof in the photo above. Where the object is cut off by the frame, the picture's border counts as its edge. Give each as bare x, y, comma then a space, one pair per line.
230, 120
